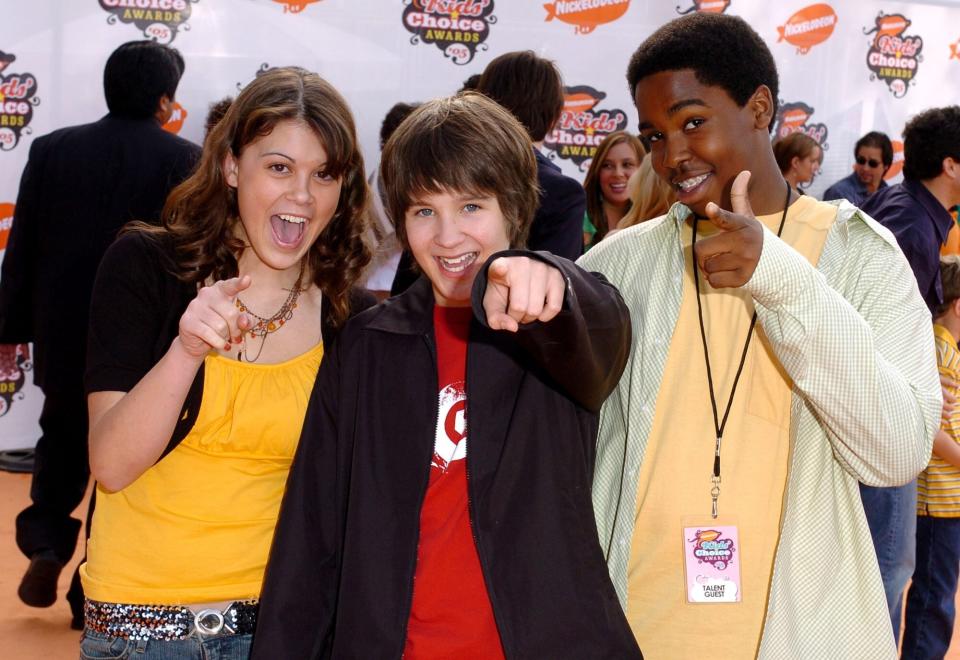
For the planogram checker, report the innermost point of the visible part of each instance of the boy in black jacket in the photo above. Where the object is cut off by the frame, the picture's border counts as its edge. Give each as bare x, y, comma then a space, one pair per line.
393, 540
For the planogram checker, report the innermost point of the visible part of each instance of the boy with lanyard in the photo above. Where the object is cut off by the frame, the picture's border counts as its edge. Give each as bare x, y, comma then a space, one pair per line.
396, 539
782, 353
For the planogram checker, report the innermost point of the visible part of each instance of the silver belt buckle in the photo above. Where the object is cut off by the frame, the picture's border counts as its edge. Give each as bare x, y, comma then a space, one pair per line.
209, 622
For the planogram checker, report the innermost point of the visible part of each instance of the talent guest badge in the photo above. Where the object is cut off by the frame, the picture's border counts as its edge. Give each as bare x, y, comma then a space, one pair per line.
711, 560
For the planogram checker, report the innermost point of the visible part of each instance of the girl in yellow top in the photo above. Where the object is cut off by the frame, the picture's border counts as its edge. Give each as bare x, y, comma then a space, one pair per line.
206, 335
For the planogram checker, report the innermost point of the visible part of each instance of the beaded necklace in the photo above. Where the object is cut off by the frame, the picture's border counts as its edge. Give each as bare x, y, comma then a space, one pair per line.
268, 325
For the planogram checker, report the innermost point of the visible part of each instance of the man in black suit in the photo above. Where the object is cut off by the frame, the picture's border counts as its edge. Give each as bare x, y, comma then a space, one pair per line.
531, 88
80, 186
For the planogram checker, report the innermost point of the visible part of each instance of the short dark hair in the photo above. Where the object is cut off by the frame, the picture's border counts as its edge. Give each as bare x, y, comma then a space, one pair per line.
394, 118
138, 74
527, 85
470, 84
876, 140
722, 51
464, 143
950, 281
928, 138
215, 113
796, 145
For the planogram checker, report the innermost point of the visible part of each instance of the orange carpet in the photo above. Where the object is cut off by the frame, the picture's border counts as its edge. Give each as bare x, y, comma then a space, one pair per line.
44, 634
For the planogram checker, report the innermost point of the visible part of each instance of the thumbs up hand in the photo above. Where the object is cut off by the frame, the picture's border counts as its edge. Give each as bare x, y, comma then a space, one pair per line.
728, 259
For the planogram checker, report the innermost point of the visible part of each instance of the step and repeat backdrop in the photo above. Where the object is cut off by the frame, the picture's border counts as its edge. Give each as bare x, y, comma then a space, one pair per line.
846, 67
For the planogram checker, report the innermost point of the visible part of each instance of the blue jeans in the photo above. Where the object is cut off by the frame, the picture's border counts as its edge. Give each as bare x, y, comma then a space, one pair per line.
892, 516
930, 606
94, 646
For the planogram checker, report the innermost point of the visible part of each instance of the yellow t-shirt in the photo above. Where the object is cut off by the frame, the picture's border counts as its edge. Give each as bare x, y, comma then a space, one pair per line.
938, 487
197, 526
673, 489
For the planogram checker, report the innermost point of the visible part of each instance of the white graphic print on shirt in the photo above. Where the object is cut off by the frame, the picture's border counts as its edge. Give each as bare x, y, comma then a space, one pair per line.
451, 437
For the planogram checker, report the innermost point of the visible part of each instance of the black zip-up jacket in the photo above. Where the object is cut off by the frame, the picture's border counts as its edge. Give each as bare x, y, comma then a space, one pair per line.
339, 582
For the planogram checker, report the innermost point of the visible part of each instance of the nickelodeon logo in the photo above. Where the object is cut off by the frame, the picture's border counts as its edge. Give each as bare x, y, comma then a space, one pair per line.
808, 27
586, 15
897, 165
177, 117
294, 6
6, 222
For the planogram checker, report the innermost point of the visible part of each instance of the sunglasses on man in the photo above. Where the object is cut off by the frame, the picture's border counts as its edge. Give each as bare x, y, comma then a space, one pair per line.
868, 161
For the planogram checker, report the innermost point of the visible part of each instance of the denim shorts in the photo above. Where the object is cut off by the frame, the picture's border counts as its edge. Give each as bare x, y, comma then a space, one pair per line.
96, 646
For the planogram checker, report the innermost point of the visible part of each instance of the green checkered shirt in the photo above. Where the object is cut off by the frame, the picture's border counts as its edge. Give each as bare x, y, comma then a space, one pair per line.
856, 339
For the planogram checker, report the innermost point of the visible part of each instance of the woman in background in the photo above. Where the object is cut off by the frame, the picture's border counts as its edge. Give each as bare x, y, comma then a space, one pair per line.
608, 200
650, 196
799, 157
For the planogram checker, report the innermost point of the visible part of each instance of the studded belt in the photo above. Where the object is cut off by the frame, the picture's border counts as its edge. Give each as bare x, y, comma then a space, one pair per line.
168, 622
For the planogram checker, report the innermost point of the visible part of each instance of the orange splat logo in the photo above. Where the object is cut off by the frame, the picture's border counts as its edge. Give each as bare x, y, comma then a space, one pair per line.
808, 27
177, 117
294, 6
585, 16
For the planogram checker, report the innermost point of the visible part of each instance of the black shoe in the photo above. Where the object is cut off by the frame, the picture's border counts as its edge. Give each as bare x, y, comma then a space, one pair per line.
38, 588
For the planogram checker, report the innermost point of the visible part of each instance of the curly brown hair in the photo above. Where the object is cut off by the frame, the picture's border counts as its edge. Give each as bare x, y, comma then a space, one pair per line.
201, 213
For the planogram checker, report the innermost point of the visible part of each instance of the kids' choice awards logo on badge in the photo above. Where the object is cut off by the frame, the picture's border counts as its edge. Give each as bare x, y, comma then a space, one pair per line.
711, 547
157, 19
586, 15
894, 56
583, 126
294, 6
794, 118
706, 7
459, 28
808, 27
18, 97
177, 117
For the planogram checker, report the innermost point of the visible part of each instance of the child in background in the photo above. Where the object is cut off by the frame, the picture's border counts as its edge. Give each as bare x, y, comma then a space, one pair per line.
930, 601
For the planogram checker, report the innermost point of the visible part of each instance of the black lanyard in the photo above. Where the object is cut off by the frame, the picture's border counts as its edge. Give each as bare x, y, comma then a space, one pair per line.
719, 424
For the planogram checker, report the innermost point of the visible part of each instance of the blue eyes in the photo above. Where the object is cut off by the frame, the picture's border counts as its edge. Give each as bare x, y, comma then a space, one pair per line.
428, 212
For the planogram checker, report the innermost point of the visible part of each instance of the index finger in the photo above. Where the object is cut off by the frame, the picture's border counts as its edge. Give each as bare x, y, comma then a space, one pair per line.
234, 285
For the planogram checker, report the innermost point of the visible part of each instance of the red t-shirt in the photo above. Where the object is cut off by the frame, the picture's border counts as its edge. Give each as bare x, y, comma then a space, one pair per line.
451, 616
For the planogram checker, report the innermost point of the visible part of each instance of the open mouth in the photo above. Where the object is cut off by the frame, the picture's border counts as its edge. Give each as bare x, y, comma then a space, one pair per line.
288, 229
458, 264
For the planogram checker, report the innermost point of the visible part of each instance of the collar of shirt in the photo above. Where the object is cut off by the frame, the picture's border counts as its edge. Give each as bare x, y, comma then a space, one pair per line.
942, 220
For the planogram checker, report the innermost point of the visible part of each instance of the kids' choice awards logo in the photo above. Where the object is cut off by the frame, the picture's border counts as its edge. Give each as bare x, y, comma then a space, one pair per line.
894, 56
177, 117
808, 27
157, 19
706, 7
14, 359
294, 6
794, 118
710, 547
586, 15
18, 97
583, 126
459, 28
